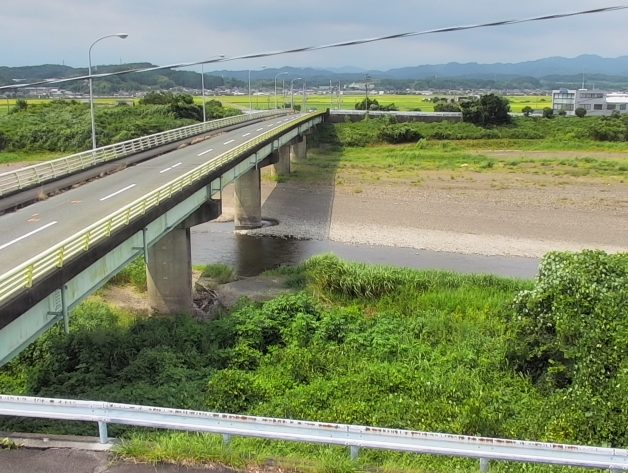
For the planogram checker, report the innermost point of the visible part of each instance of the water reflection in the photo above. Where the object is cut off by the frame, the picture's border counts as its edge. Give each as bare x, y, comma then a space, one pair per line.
249, 256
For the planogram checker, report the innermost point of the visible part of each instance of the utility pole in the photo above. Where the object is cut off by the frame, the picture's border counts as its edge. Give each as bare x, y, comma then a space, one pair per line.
366, 94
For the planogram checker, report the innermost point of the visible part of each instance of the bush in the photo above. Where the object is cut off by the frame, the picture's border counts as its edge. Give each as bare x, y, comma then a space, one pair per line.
580, 112
548, 112
399, 134
609, 129
570, 334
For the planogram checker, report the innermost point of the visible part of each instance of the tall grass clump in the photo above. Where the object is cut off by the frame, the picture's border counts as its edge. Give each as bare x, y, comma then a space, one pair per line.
133, 274
219, 273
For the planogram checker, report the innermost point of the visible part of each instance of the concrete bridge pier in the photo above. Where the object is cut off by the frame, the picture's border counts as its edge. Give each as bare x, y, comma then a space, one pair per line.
169, 264
248, 201
298, 150
281, 162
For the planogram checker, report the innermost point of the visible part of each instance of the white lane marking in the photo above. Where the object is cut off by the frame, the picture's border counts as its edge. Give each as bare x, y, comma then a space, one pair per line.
27, 235
227, 142
117, 192
169, 168
205, 152
260, 129
246, 134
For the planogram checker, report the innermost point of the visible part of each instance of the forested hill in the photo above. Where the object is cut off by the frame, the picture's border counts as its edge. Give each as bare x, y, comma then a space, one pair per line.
543, 74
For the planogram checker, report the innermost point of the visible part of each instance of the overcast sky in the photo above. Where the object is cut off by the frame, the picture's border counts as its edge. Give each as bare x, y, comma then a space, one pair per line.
171, 31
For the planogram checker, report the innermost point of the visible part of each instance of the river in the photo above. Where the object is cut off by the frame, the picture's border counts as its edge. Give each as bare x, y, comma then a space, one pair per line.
217, 243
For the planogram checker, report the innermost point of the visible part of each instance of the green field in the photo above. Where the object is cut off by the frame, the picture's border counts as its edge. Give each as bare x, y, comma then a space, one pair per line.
320, 102
403, 102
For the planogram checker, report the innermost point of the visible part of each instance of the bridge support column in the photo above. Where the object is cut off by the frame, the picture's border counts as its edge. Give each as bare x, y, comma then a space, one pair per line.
169, 273
248, 201
298, 151
282, 166
169, 265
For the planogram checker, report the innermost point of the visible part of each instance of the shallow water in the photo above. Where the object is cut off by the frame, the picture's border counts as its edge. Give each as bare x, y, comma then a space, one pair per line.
249, 256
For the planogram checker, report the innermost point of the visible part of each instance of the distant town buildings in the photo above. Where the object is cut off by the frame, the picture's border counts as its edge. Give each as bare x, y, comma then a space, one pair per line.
595, 102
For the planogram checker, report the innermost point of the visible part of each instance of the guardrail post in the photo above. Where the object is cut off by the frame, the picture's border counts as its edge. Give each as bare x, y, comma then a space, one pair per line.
355, 451
226, 439
484, 465
64, 310
102, 432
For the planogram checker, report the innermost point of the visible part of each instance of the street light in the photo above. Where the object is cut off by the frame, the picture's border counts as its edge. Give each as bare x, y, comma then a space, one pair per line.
203, 86
292, 93
250, 101
91, 91
277, 75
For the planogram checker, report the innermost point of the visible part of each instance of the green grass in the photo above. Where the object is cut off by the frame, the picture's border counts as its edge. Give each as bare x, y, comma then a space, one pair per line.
25, 157
219, 273
404, 163
252, 454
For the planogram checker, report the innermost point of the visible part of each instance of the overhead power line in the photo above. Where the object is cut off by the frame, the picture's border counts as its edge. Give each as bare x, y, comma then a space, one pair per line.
328, 46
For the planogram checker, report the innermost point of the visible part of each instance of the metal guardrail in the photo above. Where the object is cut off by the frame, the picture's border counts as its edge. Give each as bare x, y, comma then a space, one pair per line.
36, 174
26, 273
354, 436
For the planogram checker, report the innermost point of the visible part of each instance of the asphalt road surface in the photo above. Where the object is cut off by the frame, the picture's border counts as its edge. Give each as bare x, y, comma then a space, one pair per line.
55, 460
35, 228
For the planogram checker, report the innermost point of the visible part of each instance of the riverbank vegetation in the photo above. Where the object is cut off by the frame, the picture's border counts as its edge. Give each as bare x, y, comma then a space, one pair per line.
358, 344
529, 133
65, 127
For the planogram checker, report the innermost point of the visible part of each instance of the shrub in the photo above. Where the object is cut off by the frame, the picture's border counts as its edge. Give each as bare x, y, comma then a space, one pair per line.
570, 334
399, 134
609, 129
580, 112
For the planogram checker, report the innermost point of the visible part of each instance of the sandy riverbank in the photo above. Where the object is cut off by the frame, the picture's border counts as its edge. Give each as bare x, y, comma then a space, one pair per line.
485, 214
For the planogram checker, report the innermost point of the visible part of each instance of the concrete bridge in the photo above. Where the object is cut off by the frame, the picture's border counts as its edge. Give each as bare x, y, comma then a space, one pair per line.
57, 251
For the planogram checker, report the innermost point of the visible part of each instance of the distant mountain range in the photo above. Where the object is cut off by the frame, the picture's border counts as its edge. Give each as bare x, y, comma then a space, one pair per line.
588, 64
545, 74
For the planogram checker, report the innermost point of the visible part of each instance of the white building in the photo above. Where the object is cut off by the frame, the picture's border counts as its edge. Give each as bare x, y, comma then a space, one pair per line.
595, 102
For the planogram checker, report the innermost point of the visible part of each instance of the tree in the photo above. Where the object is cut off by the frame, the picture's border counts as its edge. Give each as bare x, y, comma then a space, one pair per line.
446, 107
373, 104
527, 110
581, 112
20, 106
548, 112
488, 110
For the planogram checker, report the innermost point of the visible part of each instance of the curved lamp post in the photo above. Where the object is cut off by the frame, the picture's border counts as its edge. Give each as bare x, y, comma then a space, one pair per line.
277, 75
91, 91
292, 92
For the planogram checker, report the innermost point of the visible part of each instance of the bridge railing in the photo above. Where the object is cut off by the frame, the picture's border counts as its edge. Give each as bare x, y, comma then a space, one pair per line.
24, 275
354, 436
37, 174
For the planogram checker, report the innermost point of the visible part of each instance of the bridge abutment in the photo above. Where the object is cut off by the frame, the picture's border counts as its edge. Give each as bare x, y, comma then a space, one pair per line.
248, 201
169, 264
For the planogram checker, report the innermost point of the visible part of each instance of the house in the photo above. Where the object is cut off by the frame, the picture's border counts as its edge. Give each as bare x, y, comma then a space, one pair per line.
595, 102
